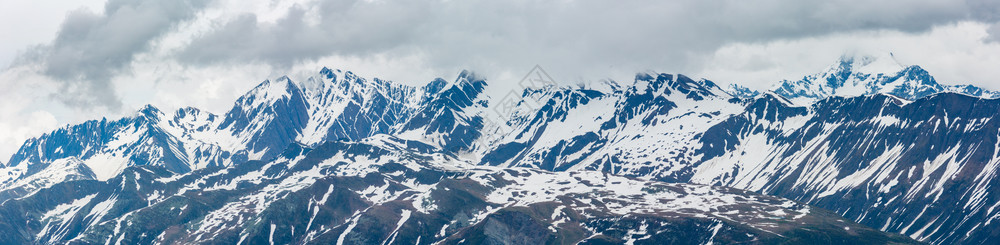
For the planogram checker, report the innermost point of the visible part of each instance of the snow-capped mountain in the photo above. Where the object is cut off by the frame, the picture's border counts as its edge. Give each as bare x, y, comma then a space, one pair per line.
447, 119
741, 92
901, 157
102, 149
853, 76
380, 191
333, 105
926, 169
649, 128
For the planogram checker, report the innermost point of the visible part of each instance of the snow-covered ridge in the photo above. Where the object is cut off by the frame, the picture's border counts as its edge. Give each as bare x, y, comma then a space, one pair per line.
328, 106
339, 105
853, 76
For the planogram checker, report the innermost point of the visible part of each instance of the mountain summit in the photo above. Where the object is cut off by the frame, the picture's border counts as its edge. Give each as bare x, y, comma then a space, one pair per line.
856, 75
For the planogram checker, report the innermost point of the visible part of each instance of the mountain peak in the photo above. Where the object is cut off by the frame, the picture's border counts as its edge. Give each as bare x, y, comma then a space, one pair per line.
268, 92
856, 75
148, 108
768, 95
663, 83
741, 92
192, 113
327, 72
435, 86
467, 76
149, 111
468, 82
875, 63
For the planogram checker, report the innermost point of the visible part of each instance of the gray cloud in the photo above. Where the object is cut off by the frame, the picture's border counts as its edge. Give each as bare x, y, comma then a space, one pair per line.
985, 10
90, 49
345, 27
585, 38
518, 34
994, 32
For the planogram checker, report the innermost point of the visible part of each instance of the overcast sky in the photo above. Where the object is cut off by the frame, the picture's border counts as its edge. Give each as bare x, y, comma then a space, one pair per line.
66, 61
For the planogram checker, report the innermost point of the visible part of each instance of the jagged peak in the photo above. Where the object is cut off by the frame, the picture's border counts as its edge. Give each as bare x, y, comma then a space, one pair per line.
917, 74
605, 86
769, 95
467, 77
973, 91
867, 63
896, 99
327, 71
344, 80
645, 76
150, 112
682, 82
708, 83
467, 82
281, 83
269, 91
651, 81
664, 83
435, 86
149, 108
460, 93
740, 91
187, 110
915, 70
859, 74
192, 112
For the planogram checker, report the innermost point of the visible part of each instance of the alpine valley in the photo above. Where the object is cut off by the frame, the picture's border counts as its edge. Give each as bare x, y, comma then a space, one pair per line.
865, 152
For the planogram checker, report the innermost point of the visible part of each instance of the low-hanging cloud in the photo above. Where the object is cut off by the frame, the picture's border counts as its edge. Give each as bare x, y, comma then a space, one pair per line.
574, 35
583, 38
91, 48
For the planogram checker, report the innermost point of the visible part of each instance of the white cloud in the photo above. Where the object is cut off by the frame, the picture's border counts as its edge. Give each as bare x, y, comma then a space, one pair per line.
36, 122
957, 53
32, 22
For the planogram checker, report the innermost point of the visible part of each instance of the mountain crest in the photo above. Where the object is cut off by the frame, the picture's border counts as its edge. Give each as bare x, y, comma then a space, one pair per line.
857, 75
667, 84
150, 112
741, 92
877, 63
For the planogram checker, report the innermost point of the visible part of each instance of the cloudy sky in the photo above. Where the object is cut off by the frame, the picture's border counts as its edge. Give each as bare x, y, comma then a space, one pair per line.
66, 61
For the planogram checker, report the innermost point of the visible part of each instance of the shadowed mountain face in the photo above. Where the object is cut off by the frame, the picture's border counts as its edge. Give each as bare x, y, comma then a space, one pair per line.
924, 168
340, 158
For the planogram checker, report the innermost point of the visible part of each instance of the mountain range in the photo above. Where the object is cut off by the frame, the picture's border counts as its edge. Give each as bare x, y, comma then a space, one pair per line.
853, 76
867, 151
